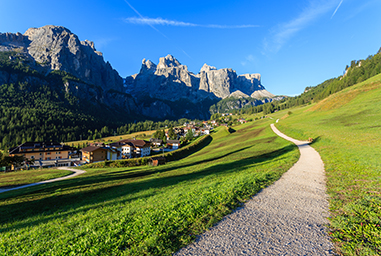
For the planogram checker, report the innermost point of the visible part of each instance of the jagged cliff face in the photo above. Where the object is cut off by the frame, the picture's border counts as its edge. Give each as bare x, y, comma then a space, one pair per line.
60, 49
56, 48
170, 80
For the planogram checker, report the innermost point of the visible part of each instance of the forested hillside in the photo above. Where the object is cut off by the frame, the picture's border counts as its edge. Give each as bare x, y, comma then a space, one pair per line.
36, 106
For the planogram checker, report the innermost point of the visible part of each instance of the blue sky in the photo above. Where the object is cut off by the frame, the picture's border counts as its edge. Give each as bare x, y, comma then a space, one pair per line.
292, 44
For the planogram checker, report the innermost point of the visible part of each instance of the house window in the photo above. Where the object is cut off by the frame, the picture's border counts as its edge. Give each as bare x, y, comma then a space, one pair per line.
32, 157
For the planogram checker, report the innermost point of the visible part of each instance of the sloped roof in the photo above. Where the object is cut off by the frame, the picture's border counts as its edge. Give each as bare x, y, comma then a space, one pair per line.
91, 149
135, 143
38, 145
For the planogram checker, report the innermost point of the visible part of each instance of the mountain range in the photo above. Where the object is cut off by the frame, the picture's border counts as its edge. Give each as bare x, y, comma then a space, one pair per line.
164, 91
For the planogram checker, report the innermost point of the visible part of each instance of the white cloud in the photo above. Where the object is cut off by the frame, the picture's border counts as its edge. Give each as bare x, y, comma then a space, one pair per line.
337, 8
161, 21
249, 59
157, 21
282, 33
102, 42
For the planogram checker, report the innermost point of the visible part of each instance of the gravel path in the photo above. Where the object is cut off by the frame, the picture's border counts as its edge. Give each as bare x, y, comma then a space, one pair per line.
286, 218
76, 172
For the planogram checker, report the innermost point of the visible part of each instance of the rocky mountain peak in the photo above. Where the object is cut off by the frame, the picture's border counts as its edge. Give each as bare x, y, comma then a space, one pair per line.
51, 30
57, 48
206, 68
170, 80
168, 61
147, 66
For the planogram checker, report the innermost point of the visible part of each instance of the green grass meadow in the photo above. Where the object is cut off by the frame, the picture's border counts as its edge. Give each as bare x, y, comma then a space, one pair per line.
347, 131
144, 210
18, 178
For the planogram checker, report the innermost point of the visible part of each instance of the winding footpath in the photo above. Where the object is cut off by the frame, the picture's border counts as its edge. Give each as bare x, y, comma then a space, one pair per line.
75, 173
286, 218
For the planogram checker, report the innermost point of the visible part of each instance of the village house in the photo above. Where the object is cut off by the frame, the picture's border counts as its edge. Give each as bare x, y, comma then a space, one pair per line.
132, 148
41, 151
242, 121
112, 154
128, 150
204, 131
92, 154
142, 147
97, 144
179, 131
118, 146
173, 144
44, 154
156, 142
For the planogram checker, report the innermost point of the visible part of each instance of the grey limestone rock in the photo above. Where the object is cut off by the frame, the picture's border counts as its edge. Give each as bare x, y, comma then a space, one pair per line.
62, 50
57, 48
170, 80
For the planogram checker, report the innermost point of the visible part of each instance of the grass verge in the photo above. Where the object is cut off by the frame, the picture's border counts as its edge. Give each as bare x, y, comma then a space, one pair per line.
347, 128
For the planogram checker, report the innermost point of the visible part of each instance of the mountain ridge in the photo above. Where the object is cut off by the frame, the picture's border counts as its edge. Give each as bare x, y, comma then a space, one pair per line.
156, 92
210, 82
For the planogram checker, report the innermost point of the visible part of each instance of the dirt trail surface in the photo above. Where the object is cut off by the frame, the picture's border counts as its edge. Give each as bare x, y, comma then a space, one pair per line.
286, 218
76, 172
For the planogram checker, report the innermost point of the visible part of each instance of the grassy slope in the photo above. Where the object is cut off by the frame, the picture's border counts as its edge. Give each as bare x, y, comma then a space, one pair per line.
11, 179
347, 131
144, 210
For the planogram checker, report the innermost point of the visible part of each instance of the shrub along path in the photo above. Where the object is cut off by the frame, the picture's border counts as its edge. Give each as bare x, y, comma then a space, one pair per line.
287, 218
76, 172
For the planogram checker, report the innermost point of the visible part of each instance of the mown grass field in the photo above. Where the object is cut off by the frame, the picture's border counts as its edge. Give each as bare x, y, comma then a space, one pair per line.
18, 178
144, 210
347, 131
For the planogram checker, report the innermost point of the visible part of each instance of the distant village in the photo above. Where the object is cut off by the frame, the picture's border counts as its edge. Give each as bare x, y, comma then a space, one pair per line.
53, 154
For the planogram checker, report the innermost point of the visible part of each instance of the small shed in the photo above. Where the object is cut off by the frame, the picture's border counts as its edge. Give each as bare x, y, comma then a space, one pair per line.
159, 160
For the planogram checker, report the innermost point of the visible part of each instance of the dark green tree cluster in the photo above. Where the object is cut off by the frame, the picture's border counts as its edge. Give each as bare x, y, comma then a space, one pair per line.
171, 134
150, 125
6, 160
233, 104
160, 134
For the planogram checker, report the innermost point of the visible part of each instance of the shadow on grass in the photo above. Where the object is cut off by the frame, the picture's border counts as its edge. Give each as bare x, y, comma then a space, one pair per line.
116, 189
317, 139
